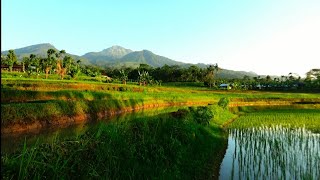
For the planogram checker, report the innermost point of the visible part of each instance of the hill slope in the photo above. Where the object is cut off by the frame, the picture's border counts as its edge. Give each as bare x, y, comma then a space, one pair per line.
117, 56
107, 55
147, 57
40, 50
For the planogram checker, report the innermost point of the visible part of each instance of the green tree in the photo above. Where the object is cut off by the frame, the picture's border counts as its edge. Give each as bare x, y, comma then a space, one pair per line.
11, 59
123, 76
35, 62
210, 76
74, 69
313, 78
144, 78
63, 63
49, 62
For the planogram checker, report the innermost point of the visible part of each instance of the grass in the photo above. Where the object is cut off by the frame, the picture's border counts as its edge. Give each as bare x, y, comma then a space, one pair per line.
180, 145
286, 117
26, 100
167, 146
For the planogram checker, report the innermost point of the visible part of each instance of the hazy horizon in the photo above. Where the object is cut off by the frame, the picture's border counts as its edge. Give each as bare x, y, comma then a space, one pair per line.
268, 38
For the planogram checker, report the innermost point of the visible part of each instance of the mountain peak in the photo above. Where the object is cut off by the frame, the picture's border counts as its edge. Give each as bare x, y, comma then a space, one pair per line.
116, 47
146, 51
39, 49
111, 53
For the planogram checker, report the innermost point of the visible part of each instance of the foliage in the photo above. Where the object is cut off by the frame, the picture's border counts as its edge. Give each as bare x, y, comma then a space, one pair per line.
224, 102
286, 117
144, 78
64, 65
202, 114
123, 76
11, 59
155, 147
210, 75
91, 71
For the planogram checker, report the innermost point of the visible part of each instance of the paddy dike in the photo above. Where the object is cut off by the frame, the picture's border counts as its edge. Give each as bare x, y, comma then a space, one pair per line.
55, 121
31, 122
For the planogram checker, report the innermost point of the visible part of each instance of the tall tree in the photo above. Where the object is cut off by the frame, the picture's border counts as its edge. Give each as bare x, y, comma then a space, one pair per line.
210, 76
35, 62
313, 78
49, 62
61, 67
74, 69
11, 59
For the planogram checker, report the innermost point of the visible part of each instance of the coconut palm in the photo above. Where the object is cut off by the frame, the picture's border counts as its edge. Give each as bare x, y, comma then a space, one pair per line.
210, 76
11, 59
49, 61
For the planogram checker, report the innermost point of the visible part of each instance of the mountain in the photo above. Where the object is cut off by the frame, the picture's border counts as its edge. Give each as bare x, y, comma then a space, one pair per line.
231, 74
147, 57
117, 56
107, 55
40, 50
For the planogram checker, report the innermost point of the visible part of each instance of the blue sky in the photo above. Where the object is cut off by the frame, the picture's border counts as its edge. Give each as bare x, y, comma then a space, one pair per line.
272, 37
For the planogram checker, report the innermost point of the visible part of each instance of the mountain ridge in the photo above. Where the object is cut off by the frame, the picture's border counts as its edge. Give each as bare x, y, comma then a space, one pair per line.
118, 56
108, 54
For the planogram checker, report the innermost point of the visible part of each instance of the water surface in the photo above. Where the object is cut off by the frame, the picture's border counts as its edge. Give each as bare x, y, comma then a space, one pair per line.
15, 141
272, 153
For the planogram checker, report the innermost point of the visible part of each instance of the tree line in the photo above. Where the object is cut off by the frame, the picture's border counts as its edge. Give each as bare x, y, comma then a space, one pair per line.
56, 62
59, 62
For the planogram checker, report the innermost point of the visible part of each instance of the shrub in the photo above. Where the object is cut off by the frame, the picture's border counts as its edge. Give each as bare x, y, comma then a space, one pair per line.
223, 102
201, 115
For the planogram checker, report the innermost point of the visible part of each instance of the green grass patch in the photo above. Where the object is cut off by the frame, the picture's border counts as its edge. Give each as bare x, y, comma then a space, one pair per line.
286, 117
167, 146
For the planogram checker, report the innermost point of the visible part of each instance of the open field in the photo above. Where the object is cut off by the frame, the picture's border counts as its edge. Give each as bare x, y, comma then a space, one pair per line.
35, 103
184, 144
286, 117
190, 141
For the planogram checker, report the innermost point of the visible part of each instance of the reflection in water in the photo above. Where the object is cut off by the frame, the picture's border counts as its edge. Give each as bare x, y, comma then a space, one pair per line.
14, 142
272, 153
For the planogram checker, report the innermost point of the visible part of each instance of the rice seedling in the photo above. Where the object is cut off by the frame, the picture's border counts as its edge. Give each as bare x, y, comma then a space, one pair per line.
308, 118
274, 152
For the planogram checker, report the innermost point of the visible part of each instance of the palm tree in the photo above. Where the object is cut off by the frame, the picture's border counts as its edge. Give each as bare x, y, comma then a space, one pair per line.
35, 61
11, 59
48, 63
211, 74
63, 63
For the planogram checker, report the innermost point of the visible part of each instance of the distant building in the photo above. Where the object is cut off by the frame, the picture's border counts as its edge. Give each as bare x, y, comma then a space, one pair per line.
19, 68
225, 86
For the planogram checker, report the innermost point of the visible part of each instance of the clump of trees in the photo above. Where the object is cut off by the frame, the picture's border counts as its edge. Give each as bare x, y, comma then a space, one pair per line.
59, 62
10, 59
56, 62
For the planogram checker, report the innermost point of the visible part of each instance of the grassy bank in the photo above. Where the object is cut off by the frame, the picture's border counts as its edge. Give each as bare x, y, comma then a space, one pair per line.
187, 144
36, 103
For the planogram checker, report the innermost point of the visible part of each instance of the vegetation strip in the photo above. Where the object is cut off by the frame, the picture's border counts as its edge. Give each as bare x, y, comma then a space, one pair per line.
184, 144
64, 120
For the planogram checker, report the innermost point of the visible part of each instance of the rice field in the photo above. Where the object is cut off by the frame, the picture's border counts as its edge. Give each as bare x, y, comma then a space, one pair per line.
275, 152
308, 118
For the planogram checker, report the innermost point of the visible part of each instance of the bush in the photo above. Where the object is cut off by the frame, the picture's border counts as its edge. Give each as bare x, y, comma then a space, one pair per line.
223, 102
201, 115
